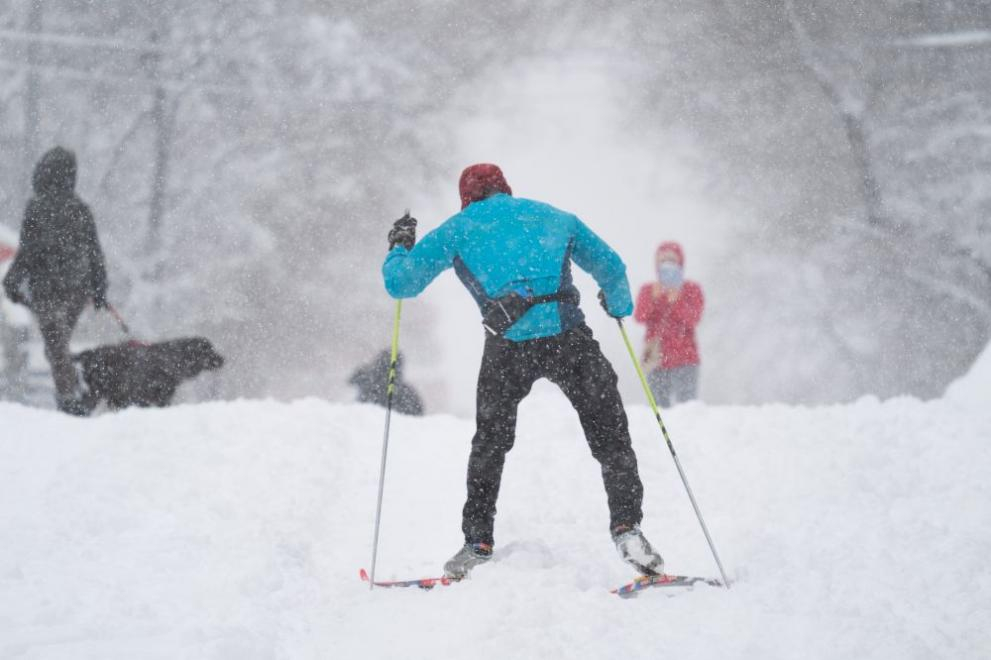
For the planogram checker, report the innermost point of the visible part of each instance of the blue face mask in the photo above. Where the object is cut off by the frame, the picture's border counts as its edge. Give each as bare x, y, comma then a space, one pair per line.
670, 274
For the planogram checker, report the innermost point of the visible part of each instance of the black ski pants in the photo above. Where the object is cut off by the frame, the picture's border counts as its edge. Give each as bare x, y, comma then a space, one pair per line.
575, 363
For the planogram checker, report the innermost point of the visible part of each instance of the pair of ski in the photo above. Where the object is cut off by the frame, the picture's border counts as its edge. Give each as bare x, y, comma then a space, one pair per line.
627, 590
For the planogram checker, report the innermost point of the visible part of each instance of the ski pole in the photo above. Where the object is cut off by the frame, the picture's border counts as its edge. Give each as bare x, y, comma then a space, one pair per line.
390, 389
674, 454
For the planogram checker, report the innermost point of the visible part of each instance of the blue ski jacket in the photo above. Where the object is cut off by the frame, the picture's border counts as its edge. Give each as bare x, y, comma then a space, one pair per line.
503, 244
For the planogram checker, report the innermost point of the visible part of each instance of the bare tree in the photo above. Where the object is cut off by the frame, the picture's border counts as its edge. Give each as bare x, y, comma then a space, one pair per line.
32, 91
853, 101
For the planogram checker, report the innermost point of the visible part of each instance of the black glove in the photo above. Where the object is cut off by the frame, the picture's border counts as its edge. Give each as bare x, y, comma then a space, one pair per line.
100, 301
16, 298
16, 289
403, 232
605, 305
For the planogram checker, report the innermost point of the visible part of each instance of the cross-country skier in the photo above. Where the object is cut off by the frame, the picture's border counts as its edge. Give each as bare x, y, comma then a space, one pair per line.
59, 268
671, 307
514, 256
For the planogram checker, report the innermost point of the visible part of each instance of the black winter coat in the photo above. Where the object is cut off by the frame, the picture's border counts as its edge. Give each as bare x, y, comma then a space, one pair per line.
59, 261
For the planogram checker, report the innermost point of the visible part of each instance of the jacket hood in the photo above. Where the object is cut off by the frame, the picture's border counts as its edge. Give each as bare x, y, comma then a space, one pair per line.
55, 173
384, 360
671, 246
481, 181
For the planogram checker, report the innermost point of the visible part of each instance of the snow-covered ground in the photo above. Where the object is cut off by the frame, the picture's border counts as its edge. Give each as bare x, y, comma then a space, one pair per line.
235, 532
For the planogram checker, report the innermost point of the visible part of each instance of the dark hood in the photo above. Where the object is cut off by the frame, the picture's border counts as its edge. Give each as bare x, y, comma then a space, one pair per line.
384, 360
55, 173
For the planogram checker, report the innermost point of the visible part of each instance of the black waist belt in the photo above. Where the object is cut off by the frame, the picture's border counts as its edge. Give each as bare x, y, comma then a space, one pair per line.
500, 314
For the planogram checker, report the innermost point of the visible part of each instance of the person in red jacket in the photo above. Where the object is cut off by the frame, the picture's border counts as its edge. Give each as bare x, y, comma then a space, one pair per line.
671, 307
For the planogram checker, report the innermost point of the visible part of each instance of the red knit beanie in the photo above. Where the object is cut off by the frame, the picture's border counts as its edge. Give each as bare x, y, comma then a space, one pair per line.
481, 181
675, 248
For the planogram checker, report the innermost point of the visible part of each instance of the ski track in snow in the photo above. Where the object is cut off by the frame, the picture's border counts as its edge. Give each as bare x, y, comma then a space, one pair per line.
235, 531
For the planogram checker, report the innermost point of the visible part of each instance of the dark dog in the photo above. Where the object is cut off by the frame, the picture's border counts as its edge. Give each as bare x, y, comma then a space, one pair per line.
133, 374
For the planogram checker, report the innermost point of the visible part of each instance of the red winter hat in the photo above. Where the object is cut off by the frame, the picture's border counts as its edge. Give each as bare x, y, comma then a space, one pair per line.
481, 181
671, 246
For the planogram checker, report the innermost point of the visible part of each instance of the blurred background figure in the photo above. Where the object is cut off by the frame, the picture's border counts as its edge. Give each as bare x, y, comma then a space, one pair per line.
372, 380
59, 268
671, 307
12, 356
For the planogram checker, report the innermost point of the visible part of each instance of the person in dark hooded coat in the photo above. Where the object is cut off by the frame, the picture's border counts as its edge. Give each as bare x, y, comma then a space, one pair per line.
372, 382
59, 267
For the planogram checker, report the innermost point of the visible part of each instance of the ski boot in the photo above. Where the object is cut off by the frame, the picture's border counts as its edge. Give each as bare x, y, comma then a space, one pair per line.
636, 550
467, 558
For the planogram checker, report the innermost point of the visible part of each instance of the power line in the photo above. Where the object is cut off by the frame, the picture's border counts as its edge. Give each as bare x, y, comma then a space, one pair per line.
316, 97
77, 41
139, 81
947, 40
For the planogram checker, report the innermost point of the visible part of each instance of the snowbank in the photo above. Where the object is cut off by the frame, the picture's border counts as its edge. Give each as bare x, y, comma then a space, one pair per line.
236, 531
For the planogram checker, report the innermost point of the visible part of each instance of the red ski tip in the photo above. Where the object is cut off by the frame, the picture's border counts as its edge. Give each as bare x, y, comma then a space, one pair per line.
363, 574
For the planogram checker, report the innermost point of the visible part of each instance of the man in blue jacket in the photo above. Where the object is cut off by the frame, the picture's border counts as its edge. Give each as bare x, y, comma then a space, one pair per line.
514, 256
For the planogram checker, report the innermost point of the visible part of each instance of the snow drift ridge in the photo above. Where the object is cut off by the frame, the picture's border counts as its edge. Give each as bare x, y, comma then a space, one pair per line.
236, 531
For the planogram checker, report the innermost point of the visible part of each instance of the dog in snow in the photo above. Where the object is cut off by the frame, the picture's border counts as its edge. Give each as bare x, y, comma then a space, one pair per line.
136, 374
